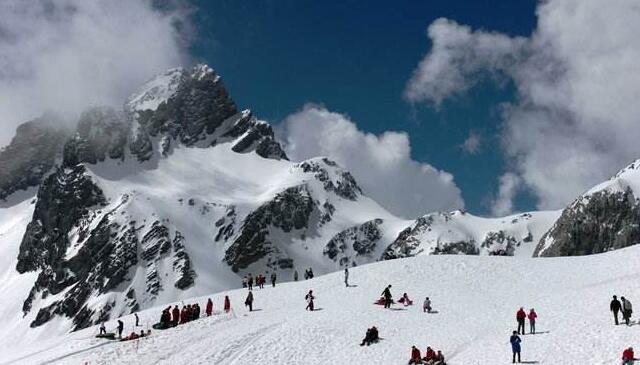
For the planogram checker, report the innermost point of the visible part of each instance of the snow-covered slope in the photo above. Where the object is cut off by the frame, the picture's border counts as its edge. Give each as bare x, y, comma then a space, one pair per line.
460, 232
475, 297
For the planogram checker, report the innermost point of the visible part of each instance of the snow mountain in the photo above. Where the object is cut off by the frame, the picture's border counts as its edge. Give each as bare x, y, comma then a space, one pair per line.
179, 194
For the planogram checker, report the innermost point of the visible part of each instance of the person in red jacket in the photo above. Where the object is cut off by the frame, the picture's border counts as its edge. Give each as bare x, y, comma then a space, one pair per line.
227, 304
175, 319
520, 317
415, 356
209, 308
628, 356
430, 355
532, 320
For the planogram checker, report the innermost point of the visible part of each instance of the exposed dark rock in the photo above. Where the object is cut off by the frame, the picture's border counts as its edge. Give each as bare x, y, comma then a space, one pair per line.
596, 223
101, 133
182, 264
344, 186
31, 155
354, 242
289, 210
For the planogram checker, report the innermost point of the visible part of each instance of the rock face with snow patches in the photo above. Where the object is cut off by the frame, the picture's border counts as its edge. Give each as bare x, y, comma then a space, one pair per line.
31, 155
605, 218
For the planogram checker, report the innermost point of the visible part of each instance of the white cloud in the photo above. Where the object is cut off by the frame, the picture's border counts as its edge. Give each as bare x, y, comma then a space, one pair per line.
503, 203
576, 118
382, 164
66, 55
472, 144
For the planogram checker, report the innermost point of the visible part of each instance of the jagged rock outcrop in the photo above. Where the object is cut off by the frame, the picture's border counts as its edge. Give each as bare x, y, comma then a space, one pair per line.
32, 154
289, 210
343, 184
101, 133
598, 222
352, 243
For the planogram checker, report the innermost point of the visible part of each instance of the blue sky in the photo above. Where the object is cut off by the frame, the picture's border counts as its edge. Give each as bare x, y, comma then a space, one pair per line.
355, 58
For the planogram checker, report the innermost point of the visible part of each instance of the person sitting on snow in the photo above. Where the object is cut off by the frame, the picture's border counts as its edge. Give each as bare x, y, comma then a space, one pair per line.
415, 356
429, 356
439, 359
405, 300
628, 357
370, 337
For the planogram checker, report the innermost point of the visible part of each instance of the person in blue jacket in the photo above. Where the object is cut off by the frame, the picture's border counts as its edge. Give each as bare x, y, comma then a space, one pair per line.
515, 345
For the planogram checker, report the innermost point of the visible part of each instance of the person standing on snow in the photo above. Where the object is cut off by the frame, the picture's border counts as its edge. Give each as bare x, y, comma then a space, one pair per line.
532, 320
137, 319
346, 277
250, 282
176, 316
615, 307
626, 310
628, 356
426, 307
309, 298
295, 275
120, 328
249, 301
520, 317
386, 294
209, 308
515, 345
227, 304
273, 279
103, 329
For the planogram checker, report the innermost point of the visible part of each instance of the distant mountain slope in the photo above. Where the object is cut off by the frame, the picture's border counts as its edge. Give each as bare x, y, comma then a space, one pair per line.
605, 218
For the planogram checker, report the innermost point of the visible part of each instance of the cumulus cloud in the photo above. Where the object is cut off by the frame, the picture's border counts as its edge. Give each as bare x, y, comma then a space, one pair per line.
503, 203
382, 164
69, 54
575, 121
472, 144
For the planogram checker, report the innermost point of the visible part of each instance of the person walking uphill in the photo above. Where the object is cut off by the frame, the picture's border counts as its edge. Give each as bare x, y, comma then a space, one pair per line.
520, 317
626, 310
346, 277
532, 320
386, 293
309, 298
615, 307
249, 301
515, 345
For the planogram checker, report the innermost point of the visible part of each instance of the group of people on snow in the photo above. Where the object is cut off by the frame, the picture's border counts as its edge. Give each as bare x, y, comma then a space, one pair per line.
308, 274
431, 357
190, 312
372, 336
623, 305
522, 316
260, 280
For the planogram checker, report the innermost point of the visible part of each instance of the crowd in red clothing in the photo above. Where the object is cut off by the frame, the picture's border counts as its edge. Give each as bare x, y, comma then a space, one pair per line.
190, 312
431, 357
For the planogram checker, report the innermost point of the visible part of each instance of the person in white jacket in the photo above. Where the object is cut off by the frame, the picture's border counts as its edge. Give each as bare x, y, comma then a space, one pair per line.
626, 310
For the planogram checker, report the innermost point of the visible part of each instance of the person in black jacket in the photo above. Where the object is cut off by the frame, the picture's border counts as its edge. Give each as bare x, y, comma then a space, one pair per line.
371, 336
120, 328
615, 307
386, 293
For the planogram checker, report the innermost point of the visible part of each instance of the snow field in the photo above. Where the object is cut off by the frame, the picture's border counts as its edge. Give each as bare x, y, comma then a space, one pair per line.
476, 299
